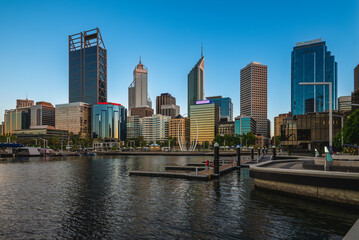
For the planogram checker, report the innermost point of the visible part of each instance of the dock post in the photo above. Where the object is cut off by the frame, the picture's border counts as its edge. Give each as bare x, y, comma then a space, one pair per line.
259, 152
274, 153
238, 156
252, 153
216, 159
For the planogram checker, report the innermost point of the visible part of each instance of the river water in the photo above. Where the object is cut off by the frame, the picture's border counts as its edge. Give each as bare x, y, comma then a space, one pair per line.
94, 198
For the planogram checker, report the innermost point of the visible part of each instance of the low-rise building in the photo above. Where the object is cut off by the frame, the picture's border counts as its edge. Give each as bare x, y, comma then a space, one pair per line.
309, 131
155, 128
179, 127
73, 117
109, 121
41, 132
226, 127
344, 103
278, 121
244, 124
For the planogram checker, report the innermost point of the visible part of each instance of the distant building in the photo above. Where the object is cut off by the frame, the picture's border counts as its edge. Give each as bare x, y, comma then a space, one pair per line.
205, 118
309, 131
16, 119
278, 121
355, 99
356, 78
39, 132
2, 129
73, 117
43, 113
344, 103
133, 126
109, 121
166, 105
195, 84
179, 127
138, 90
226, 128
141, 112
311, 62
87, 67
226, 106
155, 128
244, 125
253, 95
21, 103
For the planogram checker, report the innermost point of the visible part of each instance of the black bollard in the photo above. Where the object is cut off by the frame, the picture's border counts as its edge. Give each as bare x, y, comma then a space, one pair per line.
259, 152
216, 159
238, 156
252, 154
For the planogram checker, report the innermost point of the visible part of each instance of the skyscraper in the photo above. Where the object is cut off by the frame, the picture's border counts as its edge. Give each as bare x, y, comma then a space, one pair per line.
138, 90
356, 77
87, 67
196, 83
166, 105
254, 95
311, 62
43, 113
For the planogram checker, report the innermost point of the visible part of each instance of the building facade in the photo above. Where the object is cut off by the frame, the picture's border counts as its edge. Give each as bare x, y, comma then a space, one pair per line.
195, 77
244, 125
226, 128
16, 119
41, 132
87, 67
253, 95
155, 128
278, 121
309, 131
355, 99
138, 90
311, 62
73, 117
179, 128
2, 128
109, 121
133, 127
204, 121
344, 103
225, 105
166, 105
356, 78
21, 103
43, 113
141, 112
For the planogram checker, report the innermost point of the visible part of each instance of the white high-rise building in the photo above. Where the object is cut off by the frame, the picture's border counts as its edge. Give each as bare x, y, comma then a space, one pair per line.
138, 90
254, 95
154, 128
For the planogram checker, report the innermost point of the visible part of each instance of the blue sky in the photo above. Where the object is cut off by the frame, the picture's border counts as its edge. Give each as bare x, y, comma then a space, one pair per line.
168, 36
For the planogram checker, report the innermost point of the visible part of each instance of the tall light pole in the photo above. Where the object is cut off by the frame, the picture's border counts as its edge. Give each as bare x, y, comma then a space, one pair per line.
330, 109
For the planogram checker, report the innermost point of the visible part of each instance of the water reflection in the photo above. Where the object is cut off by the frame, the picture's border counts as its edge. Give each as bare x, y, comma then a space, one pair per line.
93, 197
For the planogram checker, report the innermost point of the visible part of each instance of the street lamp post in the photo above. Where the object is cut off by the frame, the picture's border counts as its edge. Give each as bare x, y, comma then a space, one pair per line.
330, 109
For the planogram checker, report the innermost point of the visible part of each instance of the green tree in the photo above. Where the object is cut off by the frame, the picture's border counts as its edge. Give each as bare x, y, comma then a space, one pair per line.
350, 131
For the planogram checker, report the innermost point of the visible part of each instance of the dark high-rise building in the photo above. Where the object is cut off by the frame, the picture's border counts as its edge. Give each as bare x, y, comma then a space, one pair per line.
356, 77
87, 67
43, 113
311, 62
196, 84
166, 105
226, 106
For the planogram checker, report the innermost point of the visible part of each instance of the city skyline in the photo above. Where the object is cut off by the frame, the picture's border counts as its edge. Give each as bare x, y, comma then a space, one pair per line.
171, 75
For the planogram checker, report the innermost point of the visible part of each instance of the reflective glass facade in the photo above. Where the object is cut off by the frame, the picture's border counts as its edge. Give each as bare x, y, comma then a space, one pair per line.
243, 125
311, 62
109, 121
16, 119
225, 105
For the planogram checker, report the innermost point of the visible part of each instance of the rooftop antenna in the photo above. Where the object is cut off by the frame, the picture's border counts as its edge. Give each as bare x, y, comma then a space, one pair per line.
26, 96
201, 50
140, 59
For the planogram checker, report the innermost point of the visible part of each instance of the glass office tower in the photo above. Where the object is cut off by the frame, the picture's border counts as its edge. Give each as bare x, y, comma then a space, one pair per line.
311, 62
109, 121
87, 67
225, 105
195, 84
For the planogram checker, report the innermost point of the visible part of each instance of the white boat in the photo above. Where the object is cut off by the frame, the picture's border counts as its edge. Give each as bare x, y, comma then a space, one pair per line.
27, 152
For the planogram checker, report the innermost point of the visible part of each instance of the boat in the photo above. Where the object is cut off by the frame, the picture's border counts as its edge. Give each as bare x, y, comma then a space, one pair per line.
27, 152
